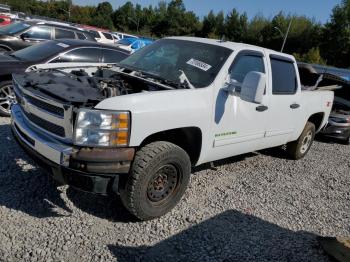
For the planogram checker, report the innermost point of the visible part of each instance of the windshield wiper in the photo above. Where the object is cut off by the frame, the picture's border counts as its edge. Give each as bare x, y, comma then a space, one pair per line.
184, 80
166, 81
163, 80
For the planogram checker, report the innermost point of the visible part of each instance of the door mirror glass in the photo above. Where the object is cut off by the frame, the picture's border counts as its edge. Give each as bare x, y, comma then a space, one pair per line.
253, 87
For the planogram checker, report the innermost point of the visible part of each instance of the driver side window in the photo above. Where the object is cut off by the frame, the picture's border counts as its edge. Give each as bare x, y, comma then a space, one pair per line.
244, 64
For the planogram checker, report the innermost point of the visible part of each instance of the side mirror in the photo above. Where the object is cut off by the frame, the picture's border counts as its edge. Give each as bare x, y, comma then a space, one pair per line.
253, 87
24, 36
231, 85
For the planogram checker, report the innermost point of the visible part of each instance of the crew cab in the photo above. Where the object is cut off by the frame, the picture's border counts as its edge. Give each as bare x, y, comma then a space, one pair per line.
136, 129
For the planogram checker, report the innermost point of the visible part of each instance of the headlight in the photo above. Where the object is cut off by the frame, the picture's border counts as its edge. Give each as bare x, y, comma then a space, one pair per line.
102, 128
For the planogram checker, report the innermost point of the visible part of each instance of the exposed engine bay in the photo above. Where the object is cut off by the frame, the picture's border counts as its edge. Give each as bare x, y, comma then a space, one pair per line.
80, 88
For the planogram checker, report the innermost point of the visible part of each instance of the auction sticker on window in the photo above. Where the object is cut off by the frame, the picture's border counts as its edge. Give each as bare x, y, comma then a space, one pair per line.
199, 64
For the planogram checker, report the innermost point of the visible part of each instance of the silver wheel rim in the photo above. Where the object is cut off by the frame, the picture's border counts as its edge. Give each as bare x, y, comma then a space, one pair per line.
7, 98
305, 145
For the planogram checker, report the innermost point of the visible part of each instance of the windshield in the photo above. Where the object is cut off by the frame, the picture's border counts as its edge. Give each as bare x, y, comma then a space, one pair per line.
14, 28
170, 58
40, 51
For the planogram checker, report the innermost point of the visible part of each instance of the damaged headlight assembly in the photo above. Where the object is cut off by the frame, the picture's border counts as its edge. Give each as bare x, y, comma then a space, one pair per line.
97, 128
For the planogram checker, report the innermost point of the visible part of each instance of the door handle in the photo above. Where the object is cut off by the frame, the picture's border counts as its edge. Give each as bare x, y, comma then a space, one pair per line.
294, 106
261, 108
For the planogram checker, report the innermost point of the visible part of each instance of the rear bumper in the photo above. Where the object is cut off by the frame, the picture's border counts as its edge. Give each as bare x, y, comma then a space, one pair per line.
91, 170
337, 132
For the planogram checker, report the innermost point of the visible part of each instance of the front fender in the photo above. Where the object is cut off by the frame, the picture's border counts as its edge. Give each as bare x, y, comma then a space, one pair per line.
153, 112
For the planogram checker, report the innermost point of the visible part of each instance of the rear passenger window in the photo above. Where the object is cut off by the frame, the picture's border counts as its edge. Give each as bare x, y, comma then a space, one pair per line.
284, 81
61, 33
94, 34
108, 36
245, 64
113, 56
81, 36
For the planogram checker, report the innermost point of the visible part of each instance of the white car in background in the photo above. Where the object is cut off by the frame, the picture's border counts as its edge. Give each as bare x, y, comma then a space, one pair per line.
121, 36
101, 35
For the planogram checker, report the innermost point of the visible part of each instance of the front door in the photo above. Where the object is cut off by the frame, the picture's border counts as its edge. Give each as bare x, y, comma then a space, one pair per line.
240, 125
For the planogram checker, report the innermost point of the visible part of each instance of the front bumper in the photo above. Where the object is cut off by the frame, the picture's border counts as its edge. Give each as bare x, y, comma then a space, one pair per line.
337, 132
87, 169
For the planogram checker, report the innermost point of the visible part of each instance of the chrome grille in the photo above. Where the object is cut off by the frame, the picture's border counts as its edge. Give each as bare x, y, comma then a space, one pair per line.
53, 128
45, 106
50, 116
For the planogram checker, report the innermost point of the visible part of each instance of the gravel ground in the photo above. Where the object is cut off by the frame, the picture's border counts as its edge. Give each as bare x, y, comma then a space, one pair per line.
258, 207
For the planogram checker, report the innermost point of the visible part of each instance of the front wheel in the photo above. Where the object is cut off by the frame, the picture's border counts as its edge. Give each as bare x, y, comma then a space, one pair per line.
7, 98
299, 148
158, 179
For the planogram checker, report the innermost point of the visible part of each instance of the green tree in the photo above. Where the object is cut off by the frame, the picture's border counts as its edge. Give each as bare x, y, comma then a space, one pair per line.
335, 45
313, 56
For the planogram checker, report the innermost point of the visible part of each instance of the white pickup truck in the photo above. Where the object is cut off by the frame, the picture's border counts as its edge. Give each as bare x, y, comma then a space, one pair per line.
136, 129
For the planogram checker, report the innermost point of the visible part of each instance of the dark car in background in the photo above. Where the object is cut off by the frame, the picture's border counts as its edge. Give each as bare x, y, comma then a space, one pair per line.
338, 80
19, 35
54, 53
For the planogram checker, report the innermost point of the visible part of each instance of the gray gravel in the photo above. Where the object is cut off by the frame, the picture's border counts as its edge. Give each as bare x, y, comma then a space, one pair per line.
258, 207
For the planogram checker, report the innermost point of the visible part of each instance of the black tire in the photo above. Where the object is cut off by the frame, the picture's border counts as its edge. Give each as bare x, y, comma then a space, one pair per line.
346, 141
7, 97
157, 180
299, 148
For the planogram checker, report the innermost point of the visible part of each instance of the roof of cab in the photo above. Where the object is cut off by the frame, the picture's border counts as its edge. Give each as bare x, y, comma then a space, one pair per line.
231, 45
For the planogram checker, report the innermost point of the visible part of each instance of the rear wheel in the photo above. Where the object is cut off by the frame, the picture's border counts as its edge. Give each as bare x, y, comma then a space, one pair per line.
7, 98
158, 179
299, 148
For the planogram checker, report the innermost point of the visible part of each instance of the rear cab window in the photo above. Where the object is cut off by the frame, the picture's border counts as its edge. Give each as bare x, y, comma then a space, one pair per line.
284, 78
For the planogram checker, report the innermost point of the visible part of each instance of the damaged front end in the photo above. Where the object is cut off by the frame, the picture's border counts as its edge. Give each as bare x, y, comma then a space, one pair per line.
55, 122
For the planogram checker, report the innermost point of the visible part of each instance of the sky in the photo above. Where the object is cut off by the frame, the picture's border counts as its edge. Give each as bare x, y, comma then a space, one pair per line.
318, 9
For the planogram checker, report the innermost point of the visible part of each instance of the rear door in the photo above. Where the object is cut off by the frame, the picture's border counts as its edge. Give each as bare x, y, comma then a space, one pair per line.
285, 108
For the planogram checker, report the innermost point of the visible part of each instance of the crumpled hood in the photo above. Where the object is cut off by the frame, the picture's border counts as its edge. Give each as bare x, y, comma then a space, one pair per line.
62, 86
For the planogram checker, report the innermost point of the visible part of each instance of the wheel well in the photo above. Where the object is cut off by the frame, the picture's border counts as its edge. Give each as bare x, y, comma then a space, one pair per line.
188, 138
316, 119
5, 78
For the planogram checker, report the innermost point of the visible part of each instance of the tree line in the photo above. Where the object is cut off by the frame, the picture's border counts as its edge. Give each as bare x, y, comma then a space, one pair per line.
309, 40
